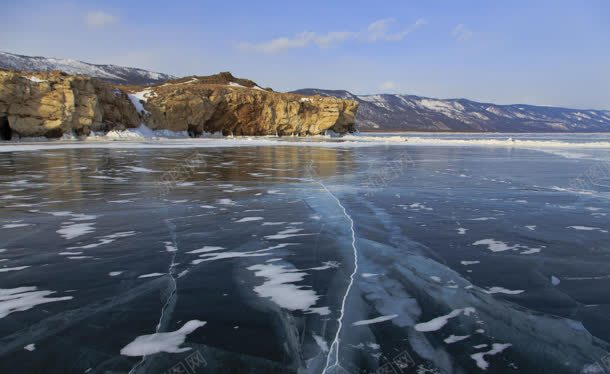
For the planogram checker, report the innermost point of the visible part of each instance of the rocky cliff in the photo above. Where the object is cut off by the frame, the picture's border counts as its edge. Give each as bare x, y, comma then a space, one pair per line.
52, 104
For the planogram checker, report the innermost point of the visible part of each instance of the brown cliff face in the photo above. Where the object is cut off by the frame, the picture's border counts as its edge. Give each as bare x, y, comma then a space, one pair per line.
240, 107
51, 104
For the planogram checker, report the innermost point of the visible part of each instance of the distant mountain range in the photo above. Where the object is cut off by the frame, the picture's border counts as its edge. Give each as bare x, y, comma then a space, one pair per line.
112, 73
414, 113
383, 112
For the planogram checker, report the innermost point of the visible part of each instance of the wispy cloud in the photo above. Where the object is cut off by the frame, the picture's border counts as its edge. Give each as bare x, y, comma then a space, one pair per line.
99, 18
380, 30
375, 32
461, 33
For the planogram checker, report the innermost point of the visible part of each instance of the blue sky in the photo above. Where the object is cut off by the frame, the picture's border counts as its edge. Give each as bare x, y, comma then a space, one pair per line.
538, 52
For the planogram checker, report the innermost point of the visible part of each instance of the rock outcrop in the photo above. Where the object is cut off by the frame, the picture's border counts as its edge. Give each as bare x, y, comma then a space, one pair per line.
52, 104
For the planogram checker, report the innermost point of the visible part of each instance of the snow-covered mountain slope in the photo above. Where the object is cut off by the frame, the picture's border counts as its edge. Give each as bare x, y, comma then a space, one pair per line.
415, 113
112, 73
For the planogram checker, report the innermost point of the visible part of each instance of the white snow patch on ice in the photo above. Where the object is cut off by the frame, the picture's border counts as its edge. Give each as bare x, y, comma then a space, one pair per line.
492, 290
466, 263
499, 246
280, 288
438, 322
480, 357
455, 338
71, 230
555, 281
169, 342
375, 320
24, 298
320, 342
17, 268
249, 219
587, 228
151, 275
205, 249
15, 225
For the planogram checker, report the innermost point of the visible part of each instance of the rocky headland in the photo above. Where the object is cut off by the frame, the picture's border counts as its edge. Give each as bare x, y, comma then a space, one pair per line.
51, 104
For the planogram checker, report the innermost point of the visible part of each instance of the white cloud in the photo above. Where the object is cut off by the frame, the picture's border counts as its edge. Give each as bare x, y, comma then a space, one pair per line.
99, 18
376, 31
388, 85
301, 40
461, 33
379, 30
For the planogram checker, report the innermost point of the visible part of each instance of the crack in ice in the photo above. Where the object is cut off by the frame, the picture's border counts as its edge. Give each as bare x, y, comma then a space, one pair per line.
332, 360
172, 287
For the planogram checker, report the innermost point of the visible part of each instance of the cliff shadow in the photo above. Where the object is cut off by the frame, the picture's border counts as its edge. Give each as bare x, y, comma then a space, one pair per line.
6, 133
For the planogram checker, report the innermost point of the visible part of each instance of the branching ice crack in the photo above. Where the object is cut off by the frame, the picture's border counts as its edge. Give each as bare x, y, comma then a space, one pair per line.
332, 360
171, 297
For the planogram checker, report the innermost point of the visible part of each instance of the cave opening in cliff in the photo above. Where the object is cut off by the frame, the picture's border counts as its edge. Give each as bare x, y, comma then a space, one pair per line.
6, 133
194, 131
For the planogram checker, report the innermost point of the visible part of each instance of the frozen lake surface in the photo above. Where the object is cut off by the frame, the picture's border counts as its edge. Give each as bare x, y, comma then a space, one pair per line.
279, 258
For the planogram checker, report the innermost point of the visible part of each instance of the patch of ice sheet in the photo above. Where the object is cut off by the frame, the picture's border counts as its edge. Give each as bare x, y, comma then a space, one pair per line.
288, 233
17, 268
455, 338
587, 228
151, 275
438, 322
482, 219
492, 290
348, 141
207, 206
368, 275
169, 342
23, 298
30, 347
273, 223
107, 239
461, 230
115, 273
320, 342
531, 227
498, 246
479, 358
71, 230
279, 287
249, 219
374, 320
